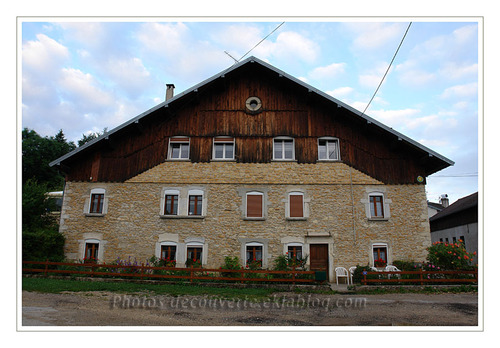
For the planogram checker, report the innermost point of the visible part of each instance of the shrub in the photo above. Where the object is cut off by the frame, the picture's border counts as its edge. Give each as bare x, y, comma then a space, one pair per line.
42, 244
450, 256
231, 263
358, 274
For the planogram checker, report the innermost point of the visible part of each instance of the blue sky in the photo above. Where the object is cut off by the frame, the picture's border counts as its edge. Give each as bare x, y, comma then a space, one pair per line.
86, 75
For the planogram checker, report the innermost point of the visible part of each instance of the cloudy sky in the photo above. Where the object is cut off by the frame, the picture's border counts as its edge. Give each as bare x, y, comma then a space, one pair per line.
86, 75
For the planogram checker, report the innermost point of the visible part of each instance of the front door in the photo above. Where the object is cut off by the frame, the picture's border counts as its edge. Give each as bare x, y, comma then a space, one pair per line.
319, 257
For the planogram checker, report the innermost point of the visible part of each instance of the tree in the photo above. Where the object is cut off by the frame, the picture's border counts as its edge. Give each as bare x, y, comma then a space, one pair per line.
86, 138
38, 152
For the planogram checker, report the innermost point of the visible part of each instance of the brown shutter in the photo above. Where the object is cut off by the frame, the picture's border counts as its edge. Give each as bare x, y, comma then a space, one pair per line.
296, 206
254, 205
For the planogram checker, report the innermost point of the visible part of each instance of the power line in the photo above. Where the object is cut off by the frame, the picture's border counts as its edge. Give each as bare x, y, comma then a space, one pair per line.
390, 64
261, 41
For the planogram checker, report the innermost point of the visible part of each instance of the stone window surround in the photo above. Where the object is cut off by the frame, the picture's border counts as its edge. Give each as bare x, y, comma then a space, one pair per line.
243, 192
86, 208
181, 248
296, 241
256, 241
183, 202
381, 244
376, 191
305, 201
92, 237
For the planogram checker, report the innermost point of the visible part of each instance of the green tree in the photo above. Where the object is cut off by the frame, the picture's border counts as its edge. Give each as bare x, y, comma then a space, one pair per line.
38, 152
86, 138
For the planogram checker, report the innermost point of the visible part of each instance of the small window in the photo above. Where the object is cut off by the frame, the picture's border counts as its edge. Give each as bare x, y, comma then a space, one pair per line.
96, 203
295, 252
168, 252
178, 148
380, 255
223, 148
376, 206
254, 204
296, 200
194, 256
171, 204
283, 149
254, 254
195, 204
328, 149
91, 252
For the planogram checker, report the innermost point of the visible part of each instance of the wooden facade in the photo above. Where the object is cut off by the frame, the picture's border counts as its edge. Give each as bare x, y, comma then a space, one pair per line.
217, 108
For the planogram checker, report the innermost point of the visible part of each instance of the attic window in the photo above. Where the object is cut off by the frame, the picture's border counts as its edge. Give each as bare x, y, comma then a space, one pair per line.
253, 104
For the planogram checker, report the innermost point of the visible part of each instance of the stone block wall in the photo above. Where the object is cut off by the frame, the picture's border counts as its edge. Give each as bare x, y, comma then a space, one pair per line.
335, 197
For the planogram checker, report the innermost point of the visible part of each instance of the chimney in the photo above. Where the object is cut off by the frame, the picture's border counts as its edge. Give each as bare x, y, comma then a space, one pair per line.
443, 199
170, 91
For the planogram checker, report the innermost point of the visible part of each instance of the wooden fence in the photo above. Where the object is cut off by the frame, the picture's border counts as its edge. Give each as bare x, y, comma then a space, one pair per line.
420, 276
150, 272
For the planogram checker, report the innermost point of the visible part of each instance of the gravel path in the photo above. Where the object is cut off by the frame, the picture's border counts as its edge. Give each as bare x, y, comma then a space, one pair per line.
283, 309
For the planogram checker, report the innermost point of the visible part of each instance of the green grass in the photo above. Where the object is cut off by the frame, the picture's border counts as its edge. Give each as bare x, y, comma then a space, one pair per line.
60, 285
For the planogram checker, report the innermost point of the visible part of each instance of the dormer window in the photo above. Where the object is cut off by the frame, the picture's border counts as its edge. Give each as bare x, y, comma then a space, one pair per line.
178, 148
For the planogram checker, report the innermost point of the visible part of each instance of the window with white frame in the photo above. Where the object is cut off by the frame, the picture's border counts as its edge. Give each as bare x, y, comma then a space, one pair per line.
328, 149
254, 254
223, 148
380, 254
296, 205
91, 251
168, 251
96, 204
178, 148
376, 205
283, 149
254, 204
171, 202
195, 202
295, 251
194, 254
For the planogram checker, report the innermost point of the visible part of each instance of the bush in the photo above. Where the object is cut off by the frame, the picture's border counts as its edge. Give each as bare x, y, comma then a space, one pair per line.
450, 256
43, 244
231, 263
358, 274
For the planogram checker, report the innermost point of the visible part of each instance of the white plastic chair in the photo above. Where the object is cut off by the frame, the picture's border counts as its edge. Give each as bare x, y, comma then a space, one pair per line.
342, 273
391, 268
351, 272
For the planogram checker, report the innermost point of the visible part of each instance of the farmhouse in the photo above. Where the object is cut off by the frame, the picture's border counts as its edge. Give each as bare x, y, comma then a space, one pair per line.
252, 163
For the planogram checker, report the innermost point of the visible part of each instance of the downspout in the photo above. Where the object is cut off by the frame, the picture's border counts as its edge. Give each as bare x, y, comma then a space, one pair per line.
353, 209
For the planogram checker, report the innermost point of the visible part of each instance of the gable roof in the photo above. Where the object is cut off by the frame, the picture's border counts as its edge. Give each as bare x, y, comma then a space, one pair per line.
441, 163
457, 207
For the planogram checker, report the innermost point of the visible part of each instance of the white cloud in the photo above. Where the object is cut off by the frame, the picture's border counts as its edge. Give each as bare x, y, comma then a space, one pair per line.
369, 36
454, 70
327, 72
460, 91
340, 92
129, 74
43, 55
372, 78
291, 44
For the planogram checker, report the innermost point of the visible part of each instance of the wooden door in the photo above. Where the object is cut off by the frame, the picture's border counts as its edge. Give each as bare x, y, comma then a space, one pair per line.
319, 257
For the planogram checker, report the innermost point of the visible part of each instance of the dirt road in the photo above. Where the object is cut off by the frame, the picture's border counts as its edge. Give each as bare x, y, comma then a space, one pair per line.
283, 309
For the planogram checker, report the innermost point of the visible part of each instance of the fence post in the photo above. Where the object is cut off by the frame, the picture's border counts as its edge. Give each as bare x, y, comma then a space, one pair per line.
293, 275
46, 267
364, 278
421, 276
142, 270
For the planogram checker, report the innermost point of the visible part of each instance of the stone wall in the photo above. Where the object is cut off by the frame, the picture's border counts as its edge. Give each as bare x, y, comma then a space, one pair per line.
336, 201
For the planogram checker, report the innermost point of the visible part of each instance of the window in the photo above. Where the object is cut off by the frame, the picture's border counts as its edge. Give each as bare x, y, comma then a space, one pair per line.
254, 204
168, 252
195, 204
194, 255
96, 203
295, 251
376, 206
178, 148
296, 201
283, 149
91, 252
171, 204
223, 148
328, 149
254, 254
380, 255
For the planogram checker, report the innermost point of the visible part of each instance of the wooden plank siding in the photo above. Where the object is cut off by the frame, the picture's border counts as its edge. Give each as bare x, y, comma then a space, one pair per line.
218, 109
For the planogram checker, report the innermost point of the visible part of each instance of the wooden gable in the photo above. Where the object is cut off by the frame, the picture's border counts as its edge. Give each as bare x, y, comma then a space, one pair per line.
218, 108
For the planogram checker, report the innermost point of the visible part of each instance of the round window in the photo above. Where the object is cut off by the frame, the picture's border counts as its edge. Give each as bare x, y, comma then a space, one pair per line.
253, 104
